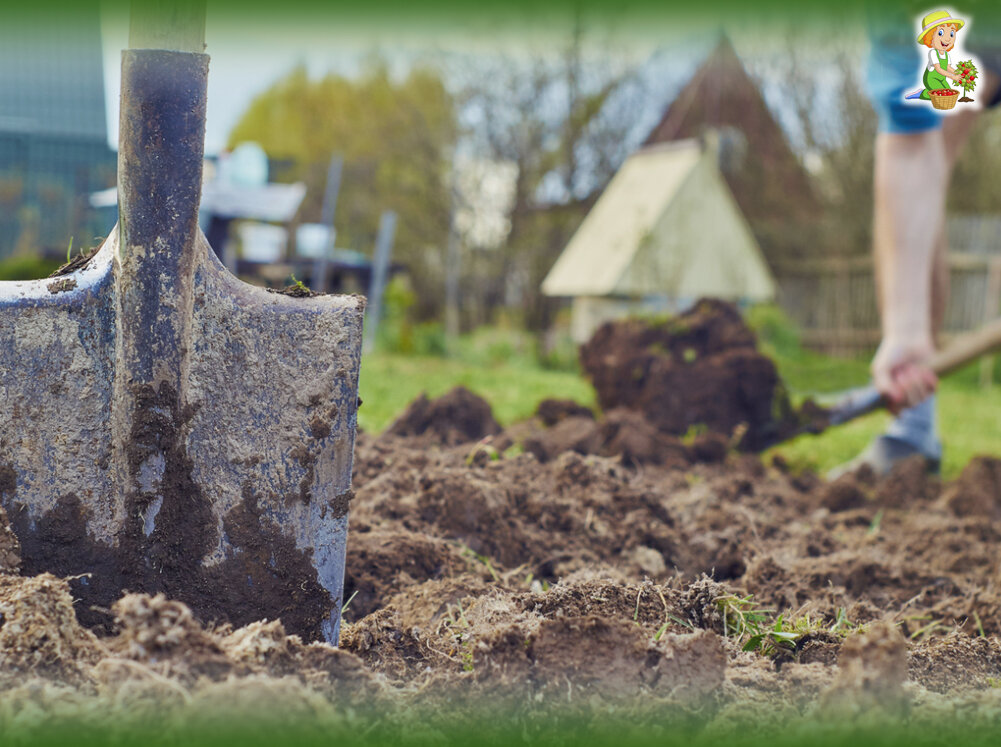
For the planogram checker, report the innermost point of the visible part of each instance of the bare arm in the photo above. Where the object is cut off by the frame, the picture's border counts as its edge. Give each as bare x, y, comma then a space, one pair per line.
949, 72
910, 185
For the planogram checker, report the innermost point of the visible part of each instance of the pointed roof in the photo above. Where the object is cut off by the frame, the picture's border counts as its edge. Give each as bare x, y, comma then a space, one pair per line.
770, 184
666, 224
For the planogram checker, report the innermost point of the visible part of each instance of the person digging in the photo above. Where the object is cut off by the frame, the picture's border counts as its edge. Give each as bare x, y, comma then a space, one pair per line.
916, 150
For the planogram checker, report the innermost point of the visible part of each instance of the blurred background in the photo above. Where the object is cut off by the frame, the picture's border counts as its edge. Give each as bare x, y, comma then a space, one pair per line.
468, 170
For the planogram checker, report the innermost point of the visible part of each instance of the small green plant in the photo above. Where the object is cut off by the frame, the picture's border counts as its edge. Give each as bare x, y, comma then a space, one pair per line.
750, 625
461, 632
873, 529
741, 618
69, 250
298, 284
980, 625
492, 454
344, 607
470, 554
675, 620
926, 630
772, 640
694, 431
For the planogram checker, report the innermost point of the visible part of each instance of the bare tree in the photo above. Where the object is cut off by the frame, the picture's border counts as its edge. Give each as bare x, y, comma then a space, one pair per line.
565, 122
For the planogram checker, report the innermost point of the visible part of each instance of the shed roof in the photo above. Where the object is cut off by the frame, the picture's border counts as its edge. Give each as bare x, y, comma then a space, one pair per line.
666, 224
622, 217
769, 184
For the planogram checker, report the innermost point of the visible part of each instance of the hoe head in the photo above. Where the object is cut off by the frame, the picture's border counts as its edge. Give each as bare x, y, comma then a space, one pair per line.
165, 427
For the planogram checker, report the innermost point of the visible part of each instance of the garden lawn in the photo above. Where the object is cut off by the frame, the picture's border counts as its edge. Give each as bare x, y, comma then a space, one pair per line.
970, 416
389, 382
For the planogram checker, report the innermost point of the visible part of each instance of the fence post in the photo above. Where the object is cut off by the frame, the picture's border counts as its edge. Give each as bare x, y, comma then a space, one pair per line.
992, 304
842, 304
380, 271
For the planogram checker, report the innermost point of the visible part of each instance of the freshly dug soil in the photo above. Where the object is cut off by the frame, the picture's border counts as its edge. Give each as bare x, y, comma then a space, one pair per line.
601, 564
699, 369
454, 418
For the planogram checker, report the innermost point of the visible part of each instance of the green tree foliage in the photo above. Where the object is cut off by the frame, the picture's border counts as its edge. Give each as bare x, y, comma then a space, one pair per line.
396, 138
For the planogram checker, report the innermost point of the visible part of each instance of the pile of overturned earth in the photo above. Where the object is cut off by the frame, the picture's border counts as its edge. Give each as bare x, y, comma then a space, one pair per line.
607, 564
481, 566
698, 369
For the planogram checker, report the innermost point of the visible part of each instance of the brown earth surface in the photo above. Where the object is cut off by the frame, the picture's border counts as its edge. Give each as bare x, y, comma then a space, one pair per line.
577, 559
699, 369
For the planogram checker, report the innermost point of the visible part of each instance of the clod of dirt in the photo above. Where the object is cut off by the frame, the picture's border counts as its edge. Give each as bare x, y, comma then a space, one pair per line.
296, 290
617, 658
907, 484
39, 632
572, 433
10, 548
700, 604
60, 286
843, 494
629, 435
955, 662
154, 627
700, 368
78, 262
872, 669
977, 491
382, 562
551, 411
454, 418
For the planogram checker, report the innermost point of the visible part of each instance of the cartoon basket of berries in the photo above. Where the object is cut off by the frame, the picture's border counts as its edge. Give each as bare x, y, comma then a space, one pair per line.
967, 73
943, 98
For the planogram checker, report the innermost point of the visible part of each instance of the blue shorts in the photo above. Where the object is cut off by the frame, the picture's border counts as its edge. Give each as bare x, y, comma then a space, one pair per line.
894, 70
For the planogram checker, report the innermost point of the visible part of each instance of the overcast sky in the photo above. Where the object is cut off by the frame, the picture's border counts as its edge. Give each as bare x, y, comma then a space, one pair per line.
250, 52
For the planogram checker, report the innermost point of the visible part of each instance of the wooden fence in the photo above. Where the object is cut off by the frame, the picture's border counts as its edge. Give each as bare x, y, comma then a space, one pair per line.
833, 300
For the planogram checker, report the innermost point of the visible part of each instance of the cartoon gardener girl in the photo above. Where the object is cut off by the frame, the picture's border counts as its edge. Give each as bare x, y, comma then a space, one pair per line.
938, 33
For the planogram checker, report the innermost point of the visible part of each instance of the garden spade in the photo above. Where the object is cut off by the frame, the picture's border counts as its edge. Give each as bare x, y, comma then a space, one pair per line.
862, 401
163, 426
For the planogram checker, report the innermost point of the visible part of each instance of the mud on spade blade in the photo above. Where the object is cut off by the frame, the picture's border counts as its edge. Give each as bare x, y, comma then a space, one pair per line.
165, 427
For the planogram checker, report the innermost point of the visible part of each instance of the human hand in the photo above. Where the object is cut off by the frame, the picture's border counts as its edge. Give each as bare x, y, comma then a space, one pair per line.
900, 372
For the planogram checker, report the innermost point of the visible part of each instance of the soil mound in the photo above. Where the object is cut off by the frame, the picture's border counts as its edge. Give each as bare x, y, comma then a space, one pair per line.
454, 418
700, 368
977, 492
552, 411
609, 563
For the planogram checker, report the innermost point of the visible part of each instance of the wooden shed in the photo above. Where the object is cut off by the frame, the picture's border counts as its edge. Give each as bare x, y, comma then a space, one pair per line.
665, 232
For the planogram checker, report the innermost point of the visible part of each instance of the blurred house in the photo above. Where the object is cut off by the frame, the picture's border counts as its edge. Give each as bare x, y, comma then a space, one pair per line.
53, 135
766, 177
666, 231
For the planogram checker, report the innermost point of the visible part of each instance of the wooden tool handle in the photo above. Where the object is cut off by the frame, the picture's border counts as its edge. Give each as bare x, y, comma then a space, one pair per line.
967, 348
177, 25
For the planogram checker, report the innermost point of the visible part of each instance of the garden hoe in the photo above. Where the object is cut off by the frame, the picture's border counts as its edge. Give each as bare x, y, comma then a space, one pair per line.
163, 426
865, 400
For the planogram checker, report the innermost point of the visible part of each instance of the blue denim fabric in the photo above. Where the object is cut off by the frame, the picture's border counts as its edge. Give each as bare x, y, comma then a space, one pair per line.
918, 427
893, 72
896, 63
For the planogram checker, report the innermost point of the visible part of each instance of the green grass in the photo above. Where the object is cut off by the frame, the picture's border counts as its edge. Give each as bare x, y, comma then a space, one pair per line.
390, 381
605, 722
969, 415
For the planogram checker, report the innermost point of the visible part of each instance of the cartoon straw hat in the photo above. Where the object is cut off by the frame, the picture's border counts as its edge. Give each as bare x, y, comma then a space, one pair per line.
932, 20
